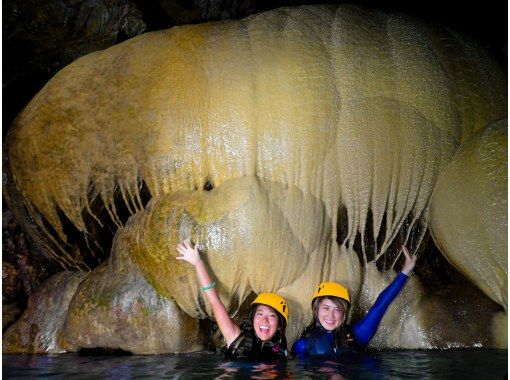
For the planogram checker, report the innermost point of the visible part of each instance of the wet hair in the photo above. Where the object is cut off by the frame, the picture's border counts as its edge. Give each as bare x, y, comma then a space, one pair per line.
277, 340
315, 310
281, 320
336, 300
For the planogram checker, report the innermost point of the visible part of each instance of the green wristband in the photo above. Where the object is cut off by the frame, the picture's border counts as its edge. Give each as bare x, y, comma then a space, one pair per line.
210, 286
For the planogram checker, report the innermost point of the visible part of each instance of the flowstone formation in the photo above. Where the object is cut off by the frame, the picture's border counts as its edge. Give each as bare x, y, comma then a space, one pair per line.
295, 146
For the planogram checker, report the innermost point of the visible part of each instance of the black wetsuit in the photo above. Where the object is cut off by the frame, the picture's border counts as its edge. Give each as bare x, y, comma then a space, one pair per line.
248, 346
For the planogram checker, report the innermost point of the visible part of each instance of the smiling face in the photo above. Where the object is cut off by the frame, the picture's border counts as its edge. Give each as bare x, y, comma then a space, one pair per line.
265, 322
330, 314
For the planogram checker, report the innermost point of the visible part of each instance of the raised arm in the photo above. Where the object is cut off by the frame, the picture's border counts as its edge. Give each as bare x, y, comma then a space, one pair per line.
227, 326
365, 329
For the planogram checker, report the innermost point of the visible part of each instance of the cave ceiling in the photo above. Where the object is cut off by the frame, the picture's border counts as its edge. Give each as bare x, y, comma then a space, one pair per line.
40, 38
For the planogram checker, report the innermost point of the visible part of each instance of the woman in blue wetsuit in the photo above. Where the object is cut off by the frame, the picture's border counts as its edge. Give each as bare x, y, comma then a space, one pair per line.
262, 336
328, 335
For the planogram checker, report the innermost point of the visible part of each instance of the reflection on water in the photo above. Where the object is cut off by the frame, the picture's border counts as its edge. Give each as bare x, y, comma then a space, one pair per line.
455, 364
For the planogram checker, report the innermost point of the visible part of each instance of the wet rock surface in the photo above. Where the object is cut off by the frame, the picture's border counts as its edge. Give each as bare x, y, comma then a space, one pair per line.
24, 269
115, 308
38, 328
357, 167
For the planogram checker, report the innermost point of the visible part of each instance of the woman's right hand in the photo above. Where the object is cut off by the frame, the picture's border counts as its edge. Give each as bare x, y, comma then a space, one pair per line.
188, 253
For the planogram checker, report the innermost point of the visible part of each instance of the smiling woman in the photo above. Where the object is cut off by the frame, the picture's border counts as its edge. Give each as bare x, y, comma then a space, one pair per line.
265, 322
297, 146
262, 337
331, 313
327, 334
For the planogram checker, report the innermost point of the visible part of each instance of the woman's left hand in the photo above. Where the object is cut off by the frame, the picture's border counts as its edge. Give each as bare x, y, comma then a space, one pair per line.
409, 263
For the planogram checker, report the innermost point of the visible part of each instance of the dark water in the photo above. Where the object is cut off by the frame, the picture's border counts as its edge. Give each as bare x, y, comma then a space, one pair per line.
453, 364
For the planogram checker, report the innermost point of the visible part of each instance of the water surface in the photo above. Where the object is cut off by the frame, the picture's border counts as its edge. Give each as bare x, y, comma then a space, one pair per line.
452, 364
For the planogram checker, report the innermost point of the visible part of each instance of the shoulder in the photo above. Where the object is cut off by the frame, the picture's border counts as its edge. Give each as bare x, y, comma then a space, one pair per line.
345, 329
345, 333
299, 346
242, 346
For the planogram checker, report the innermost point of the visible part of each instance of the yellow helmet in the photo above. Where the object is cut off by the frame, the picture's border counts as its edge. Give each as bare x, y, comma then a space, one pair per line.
333, 289
275, 301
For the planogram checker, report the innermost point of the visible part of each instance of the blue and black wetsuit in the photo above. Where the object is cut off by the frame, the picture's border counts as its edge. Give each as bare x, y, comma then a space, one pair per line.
316, 340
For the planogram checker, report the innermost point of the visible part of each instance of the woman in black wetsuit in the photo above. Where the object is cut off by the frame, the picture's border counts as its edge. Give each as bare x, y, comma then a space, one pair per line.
328, 335
262, 337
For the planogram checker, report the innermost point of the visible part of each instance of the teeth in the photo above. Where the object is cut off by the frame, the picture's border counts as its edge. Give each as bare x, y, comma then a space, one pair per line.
264, 328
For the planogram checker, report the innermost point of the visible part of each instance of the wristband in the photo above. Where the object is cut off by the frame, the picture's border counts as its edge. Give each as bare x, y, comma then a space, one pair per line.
210, 286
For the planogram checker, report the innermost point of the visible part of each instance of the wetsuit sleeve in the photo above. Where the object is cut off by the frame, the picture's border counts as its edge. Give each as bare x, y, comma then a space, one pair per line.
365, 329
299, 348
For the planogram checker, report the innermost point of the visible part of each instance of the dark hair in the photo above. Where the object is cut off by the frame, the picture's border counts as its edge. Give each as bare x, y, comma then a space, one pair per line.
281, 320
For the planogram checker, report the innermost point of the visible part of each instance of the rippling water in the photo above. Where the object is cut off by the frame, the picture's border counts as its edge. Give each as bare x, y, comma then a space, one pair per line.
454, 364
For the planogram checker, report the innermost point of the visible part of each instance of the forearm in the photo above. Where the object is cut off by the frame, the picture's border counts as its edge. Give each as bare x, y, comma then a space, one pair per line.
203, 275
210, 294
227, 327
365, 329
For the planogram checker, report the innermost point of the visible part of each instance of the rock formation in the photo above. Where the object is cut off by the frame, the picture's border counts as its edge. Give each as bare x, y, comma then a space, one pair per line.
295, 146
